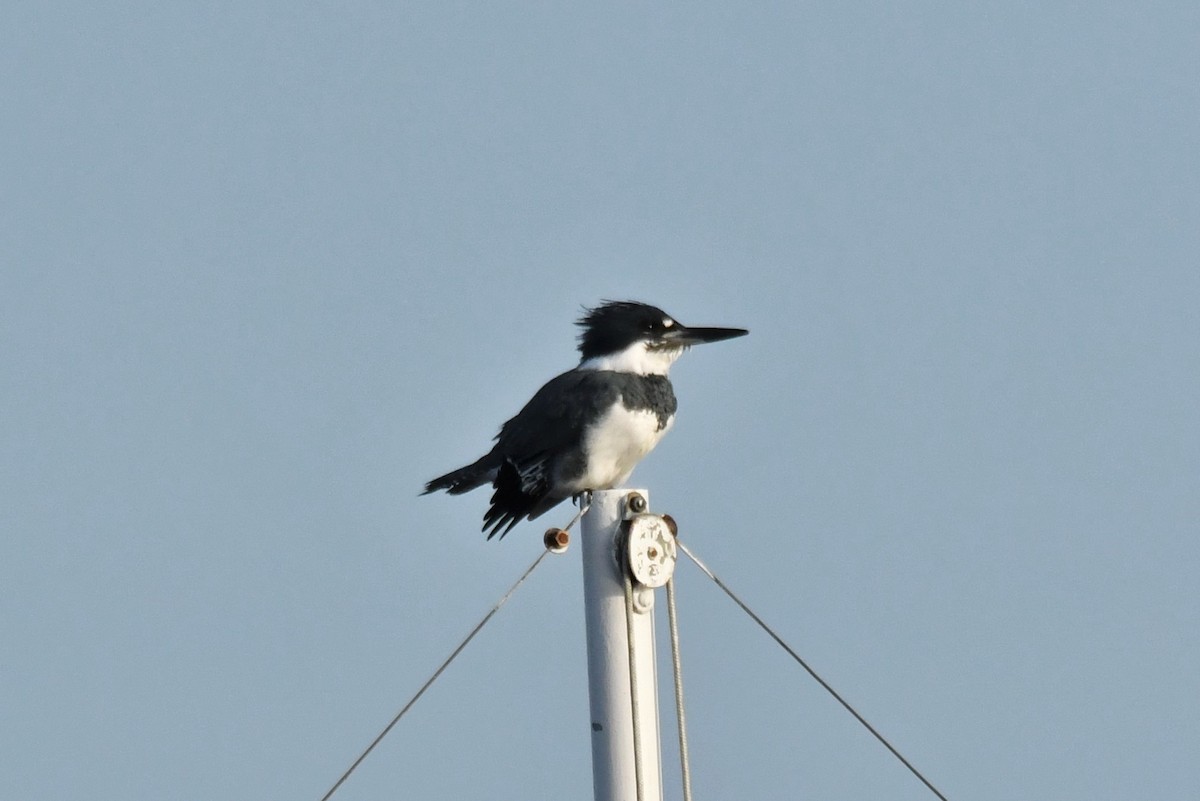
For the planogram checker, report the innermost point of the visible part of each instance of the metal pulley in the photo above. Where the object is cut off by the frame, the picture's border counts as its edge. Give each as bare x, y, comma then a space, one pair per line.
650, 549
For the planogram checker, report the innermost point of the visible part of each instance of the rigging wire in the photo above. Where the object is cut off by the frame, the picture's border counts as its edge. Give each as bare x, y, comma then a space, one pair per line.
800, 661
584, 502
437, 672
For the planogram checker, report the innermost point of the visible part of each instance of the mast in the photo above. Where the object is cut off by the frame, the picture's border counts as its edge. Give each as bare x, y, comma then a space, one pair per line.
626, 554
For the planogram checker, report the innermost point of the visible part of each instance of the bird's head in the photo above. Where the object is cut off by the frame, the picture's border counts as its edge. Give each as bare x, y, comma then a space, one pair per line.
631, 337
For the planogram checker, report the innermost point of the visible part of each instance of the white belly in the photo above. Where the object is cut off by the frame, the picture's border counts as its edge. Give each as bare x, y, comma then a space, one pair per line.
617, 444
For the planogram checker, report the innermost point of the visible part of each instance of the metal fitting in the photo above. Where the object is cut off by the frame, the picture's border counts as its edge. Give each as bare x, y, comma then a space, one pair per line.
650, 550
556, 540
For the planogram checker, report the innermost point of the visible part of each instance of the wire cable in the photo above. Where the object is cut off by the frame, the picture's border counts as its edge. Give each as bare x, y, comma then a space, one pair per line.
800, 661
437, 673
677, 670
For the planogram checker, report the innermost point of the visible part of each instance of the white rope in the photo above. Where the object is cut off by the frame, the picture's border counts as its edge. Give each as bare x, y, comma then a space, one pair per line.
677, 669
633, 685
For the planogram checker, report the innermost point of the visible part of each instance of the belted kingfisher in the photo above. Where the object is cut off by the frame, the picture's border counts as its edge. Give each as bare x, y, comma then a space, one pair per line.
587, 428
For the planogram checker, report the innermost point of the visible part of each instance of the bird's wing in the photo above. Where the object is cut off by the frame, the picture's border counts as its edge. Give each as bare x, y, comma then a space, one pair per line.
534, 441
555, 416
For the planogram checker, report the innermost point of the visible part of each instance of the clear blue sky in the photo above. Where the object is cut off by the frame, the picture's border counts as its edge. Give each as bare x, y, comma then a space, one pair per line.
267, 267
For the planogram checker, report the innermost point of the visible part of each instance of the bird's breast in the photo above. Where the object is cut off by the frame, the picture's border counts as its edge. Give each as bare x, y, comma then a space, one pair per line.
618, 440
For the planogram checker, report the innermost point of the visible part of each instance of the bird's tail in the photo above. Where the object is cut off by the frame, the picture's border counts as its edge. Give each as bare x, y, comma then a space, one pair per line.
464, 479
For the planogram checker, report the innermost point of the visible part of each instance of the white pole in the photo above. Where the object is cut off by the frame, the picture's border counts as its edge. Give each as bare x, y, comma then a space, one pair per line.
616, 765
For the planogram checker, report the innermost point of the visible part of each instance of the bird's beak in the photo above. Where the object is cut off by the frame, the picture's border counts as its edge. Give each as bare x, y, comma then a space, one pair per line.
685, 335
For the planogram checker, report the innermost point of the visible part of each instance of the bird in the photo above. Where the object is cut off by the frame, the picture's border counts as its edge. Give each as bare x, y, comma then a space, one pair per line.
587, 428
